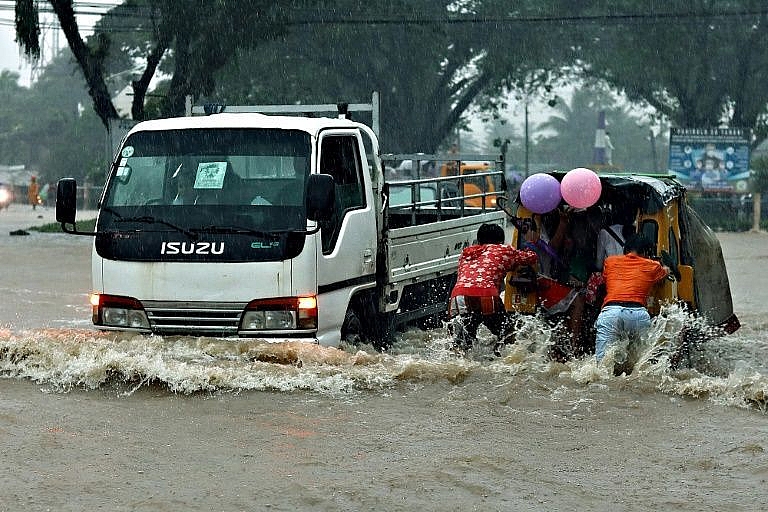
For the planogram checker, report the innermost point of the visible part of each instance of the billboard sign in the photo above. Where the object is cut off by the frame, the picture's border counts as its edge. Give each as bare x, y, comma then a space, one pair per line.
710, 159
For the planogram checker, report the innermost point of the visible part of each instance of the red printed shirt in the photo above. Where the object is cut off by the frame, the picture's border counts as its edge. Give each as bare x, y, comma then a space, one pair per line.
482, 268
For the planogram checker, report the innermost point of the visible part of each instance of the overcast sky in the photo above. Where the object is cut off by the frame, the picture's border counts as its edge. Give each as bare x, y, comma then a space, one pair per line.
9, 50
10, 57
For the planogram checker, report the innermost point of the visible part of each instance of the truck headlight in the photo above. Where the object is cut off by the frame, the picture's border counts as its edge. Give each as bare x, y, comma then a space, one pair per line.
117, 311
280, 314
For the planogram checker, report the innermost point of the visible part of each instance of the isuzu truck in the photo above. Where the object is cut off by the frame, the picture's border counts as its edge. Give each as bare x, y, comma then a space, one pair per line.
243, 224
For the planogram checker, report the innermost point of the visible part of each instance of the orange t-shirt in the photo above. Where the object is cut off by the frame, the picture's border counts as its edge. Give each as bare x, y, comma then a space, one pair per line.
629, 278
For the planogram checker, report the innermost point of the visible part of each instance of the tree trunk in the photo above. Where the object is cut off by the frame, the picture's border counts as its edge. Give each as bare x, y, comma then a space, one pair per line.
756, 211
141, 85
91, 62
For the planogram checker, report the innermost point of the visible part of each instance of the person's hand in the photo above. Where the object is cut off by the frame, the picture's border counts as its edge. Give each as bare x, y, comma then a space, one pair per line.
669, 265
531, 236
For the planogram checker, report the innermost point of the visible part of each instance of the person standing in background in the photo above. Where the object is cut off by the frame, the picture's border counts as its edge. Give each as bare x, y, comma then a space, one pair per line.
44, 194
608, 149
33, 192
51, 194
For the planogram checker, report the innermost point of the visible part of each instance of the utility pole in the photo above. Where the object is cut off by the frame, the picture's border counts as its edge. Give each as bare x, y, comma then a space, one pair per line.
598, 154
526, 136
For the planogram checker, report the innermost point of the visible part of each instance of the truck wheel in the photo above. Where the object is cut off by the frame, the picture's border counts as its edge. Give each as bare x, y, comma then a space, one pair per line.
352, 328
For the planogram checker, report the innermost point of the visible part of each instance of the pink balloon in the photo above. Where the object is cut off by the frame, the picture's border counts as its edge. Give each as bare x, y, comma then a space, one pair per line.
540, 193
581, 187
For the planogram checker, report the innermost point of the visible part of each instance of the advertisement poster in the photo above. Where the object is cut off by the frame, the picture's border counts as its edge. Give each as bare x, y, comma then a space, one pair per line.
710, 159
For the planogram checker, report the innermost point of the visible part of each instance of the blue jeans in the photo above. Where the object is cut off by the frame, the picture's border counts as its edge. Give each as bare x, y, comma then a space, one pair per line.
613, 322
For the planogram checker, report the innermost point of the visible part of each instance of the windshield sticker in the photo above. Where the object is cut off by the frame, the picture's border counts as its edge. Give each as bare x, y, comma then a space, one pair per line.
127, 151
122, 171
210, 175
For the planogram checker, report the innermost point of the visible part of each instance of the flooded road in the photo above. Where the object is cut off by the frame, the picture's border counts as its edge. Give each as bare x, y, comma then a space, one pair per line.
100, 421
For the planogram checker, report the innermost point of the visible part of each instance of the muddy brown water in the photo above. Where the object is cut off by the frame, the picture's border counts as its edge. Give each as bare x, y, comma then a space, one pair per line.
107, 422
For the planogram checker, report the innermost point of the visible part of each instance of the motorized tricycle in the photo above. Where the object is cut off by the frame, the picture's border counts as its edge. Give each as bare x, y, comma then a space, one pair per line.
569, 295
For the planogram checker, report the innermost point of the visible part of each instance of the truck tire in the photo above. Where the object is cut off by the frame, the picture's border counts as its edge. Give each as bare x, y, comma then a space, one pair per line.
352, 328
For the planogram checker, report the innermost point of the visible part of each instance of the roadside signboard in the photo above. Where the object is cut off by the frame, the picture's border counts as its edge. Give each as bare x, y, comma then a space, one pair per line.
710, 159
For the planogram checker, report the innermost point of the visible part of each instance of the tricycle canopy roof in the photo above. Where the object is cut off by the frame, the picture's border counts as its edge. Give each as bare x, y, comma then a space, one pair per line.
652, 191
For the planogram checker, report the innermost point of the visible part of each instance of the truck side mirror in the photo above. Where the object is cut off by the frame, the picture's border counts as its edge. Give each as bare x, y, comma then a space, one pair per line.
66, 200
321, 197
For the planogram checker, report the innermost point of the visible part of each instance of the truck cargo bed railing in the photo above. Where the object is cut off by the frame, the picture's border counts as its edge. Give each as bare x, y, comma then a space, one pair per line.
421, 196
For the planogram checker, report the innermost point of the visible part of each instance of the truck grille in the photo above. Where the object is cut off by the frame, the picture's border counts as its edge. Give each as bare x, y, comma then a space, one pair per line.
204, 318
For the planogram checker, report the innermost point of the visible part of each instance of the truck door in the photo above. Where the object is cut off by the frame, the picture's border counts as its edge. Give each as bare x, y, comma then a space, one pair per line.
347, 253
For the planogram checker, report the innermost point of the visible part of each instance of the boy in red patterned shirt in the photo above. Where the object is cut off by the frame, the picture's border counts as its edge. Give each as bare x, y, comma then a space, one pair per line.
475, 298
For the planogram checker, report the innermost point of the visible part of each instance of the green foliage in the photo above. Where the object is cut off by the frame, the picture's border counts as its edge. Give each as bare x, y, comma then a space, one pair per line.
698, 63
28, 27
43, 128
88, 225
429, 74
701, 63
574, 125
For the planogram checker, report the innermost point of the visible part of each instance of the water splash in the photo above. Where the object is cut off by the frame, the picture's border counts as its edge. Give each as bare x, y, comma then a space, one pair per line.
725, 369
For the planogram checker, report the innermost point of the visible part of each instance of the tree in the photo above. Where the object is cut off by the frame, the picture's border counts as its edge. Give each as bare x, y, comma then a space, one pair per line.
429, 62
12, 119
701, 63
200, 44
47, 127
433, 61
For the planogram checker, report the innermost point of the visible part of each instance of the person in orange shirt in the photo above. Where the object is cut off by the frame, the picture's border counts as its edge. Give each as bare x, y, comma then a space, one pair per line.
628, 281
33, 192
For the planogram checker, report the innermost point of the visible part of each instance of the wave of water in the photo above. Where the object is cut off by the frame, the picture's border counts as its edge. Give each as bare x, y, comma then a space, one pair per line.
731, 370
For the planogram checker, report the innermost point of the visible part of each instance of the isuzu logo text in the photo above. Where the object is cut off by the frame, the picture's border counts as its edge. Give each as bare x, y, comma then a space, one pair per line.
192, 248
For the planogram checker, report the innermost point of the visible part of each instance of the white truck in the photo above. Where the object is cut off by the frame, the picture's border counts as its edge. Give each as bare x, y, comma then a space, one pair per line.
284, 230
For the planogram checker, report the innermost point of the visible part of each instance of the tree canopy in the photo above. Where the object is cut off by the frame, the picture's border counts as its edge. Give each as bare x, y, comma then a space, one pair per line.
697, 62
701, 63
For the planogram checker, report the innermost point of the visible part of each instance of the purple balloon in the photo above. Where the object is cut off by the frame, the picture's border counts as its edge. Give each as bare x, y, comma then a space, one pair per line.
540, 193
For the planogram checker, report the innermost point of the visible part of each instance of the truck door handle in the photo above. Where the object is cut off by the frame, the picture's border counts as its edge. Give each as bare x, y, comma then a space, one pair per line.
367, 260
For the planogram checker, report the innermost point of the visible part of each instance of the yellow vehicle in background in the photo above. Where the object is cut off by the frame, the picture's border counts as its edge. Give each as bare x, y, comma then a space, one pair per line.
481, 178
659, 208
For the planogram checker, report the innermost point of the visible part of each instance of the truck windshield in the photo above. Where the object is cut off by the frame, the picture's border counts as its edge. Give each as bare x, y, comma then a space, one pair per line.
195, 178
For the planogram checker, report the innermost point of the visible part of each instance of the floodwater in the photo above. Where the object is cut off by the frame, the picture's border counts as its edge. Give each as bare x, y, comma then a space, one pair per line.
105, 422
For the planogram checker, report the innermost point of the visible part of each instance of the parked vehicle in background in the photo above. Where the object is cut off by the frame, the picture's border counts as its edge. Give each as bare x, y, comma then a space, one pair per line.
288, 233
478, 179
6, 196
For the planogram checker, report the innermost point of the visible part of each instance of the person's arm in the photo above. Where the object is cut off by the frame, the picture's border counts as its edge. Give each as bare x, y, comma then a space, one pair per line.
601, 246
661, 272
516, 257
557, 241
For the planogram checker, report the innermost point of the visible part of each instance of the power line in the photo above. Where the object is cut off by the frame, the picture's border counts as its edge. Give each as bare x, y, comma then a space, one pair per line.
94, 9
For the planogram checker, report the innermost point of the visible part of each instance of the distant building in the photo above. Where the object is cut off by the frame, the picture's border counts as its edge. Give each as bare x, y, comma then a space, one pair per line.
16, 175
